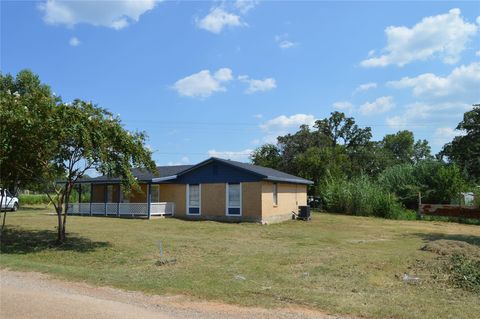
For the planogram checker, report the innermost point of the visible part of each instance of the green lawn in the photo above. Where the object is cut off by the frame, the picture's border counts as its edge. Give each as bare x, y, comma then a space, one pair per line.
339, 264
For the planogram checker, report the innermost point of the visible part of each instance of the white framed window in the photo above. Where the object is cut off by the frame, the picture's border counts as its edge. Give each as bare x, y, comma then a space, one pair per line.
194, 192
155, 193
275, 194
233, 199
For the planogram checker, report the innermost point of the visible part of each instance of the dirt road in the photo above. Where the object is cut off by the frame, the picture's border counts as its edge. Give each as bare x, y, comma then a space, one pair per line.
33, 295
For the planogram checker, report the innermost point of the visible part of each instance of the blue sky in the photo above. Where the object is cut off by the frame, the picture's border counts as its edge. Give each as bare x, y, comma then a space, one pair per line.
221, 78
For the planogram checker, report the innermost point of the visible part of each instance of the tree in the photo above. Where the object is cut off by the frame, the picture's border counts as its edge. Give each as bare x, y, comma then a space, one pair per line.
26, 131
267, 155
43, 139
464, 150
90, 137
400, 146
422, 151
317, 164
339, 127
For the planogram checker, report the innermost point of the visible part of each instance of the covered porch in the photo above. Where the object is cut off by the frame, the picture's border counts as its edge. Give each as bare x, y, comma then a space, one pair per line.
109, 199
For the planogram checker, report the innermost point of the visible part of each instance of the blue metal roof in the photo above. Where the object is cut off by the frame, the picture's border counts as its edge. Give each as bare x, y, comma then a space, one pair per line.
238, 172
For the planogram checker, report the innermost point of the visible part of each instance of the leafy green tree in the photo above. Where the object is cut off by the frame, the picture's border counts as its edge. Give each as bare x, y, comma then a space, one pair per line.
26, 131
90, 137
464, 150
422, 151
339, 128
267, 155
318, 164
43, 139
400, 146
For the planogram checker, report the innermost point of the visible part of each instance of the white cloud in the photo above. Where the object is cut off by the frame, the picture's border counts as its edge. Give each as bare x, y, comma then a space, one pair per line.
443, 135
424, 114
254, 85
218, 19
477, 53
444, 35
74, 41
223, 74
232, 155
462, 84
113, 14
245, 5
343, 106
365, 87
283, 41
183, 161
203, 84
380, 105
283, 124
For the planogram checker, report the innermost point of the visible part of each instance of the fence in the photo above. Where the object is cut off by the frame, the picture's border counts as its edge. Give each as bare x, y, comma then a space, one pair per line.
122, 209
449, 210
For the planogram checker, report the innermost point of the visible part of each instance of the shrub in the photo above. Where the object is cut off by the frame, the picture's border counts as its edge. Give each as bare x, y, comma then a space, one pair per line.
362, 197
33, 199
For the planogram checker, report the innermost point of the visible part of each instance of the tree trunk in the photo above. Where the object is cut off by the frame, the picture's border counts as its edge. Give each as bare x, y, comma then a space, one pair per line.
68, 192
60, 232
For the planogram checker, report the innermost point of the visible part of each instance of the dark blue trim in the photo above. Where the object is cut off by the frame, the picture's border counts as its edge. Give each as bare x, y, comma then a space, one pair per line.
217, 172
233, 211
194, 210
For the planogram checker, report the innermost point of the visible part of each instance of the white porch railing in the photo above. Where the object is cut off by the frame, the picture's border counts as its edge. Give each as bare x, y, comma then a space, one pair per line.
122, 209
160, 209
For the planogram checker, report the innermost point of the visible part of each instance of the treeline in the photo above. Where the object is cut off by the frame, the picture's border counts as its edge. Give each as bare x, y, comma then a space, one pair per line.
355, 175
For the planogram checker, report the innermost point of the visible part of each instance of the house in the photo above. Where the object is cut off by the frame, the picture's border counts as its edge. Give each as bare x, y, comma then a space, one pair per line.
215, 189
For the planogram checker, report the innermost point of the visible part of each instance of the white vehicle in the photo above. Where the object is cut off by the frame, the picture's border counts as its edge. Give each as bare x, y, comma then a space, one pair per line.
8, 201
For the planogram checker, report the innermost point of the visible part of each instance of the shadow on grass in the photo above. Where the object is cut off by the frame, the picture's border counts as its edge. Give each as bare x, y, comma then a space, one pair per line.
470, 239
24, 241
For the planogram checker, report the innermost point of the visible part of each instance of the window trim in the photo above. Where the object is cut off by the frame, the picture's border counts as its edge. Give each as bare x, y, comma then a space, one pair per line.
227, 186
199, 200
275, 194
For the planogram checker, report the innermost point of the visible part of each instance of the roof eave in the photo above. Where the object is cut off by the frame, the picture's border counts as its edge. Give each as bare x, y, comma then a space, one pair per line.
161, 179
289, 180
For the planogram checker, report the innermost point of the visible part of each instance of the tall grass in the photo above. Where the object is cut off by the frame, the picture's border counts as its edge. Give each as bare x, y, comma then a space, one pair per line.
33, 199
362, 197
42, 199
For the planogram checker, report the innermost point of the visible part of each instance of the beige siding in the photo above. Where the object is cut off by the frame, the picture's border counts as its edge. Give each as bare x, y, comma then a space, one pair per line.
174, 193
213, 199
290, 196
252, 200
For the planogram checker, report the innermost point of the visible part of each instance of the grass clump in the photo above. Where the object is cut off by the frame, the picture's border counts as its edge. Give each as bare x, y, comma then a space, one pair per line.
458, 262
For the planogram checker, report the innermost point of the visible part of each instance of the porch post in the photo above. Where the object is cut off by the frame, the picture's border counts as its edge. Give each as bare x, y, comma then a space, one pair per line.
105, 189
149, 199
91, 197
118, 199
79, 194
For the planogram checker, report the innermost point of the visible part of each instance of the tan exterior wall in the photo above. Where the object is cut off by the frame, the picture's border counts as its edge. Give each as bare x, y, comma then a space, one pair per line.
175, 193
290, 196
252, 200
213, 199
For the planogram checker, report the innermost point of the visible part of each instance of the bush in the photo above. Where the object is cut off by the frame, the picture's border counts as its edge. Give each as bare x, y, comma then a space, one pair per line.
361, 197
33, 199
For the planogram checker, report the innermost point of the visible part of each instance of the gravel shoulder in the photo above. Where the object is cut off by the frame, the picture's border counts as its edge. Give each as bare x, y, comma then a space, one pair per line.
34, 295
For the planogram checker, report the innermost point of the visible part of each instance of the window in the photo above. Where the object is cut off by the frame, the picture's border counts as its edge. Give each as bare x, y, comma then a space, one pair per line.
275, 194
155, 193
109, 193
234, 199
193, 199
